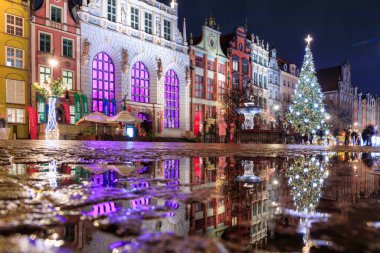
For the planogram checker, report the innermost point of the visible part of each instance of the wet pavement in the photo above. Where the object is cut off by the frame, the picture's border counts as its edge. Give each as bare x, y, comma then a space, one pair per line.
70, 196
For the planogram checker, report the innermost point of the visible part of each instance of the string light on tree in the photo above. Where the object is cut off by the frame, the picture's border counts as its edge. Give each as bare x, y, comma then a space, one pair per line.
307, 107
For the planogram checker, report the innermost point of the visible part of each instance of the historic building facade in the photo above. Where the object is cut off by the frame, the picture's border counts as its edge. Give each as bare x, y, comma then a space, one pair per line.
238, 48
210, 73
260, 69
134, 57
289, 74
14, 67
55, 47
274, 81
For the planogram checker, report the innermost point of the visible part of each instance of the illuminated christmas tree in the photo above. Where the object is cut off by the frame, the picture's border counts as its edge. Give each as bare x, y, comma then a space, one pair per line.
307, 112
306, 178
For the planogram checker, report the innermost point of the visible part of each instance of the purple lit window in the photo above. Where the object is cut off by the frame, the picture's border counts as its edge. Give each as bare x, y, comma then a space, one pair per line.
103, 84
140, 83
171, 117
171, 168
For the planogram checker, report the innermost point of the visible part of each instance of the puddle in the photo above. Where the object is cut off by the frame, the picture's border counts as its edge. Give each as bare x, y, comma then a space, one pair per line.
96, 197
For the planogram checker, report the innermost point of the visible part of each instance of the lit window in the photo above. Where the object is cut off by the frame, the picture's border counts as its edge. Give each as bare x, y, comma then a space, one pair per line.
211, 112
148, 23
45, 74
245, 67
235, 65
199, 61
15, 25
67, 79
221, 90
167, 29
15, 93
210, 65
67, 48
255, 80
210, 88
140, 83
41, 108
15, 57
222, 68
72, 114
111, 10
103, 84
56, 14
135, 18
45, 42
171, 117
16, 115
199, 86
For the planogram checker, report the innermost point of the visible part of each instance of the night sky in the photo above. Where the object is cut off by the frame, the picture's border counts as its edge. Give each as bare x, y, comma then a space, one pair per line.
342, 30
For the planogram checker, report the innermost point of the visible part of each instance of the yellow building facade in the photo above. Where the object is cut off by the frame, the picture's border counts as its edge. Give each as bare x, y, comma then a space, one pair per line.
14, 66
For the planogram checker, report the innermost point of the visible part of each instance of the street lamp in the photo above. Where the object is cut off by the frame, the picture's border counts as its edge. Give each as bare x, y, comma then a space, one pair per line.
53, 63
276, 108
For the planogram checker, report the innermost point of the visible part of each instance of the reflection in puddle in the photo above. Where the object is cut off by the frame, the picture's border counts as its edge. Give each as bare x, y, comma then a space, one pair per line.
213, 204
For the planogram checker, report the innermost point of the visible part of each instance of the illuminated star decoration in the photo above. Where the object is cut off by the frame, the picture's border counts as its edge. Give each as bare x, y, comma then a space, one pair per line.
309, 39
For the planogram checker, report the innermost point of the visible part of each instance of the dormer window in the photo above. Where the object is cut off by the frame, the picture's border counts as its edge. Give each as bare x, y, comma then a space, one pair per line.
56, 14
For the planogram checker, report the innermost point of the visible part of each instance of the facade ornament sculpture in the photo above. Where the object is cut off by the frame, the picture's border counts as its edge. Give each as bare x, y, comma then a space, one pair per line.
188, 73
94, 7
159, 68
124, 60
86, 51
123, 14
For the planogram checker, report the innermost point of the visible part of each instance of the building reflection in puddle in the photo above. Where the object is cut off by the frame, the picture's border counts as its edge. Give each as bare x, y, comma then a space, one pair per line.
291, 196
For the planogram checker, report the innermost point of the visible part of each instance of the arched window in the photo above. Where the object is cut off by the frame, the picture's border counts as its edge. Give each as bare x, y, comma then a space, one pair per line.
171, 116
103, 84
140, 83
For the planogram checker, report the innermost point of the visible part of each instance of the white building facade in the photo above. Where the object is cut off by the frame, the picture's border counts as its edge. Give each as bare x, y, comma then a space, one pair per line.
289, 75
260, 70
273, 81
134, 57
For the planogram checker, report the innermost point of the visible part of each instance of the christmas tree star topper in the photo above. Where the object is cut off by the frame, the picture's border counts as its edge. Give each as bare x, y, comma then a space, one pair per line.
309, 39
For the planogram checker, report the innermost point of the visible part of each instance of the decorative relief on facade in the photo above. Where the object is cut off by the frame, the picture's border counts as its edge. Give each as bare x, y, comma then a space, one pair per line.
94, 7
125, 60
86, 50
159, 68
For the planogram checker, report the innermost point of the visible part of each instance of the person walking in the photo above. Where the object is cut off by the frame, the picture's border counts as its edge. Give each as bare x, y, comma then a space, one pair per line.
222, 131
232, 132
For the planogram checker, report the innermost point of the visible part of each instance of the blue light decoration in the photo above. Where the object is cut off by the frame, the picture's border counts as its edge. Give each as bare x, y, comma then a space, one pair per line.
52, 130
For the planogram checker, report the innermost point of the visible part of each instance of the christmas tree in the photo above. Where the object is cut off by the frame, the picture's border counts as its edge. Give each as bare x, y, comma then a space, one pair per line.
307, 112
306, 177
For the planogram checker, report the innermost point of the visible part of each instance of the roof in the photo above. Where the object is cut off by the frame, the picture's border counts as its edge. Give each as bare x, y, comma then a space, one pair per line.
281, 64
329, 78
225, 42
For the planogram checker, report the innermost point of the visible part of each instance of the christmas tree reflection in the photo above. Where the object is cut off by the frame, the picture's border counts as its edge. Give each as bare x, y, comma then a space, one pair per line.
306, 177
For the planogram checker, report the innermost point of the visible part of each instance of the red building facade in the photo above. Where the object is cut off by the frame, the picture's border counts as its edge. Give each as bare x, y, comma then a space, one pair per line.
55, 53
237, 47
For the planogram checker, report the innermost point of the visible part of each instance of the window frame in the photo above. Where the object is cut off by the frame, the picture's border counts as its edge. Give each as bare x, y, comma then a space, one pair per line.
111, 10
199, 61
16, 91
210, 89
15, 58
199, 86
16, 121
51, 13
135, 18
167, 29
72, 78
148, 23
63, 47
39, 73
39, 41
171, 100
15, 26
